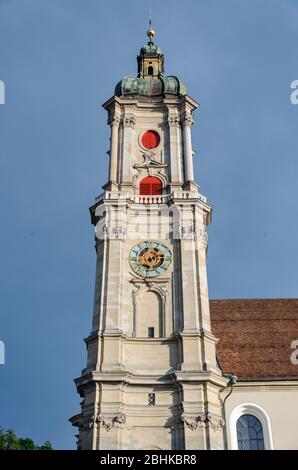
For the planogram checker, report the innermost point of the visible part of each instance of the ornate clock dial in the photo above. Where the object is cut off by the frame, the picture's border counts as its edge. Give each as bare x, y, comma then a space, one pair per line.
150, 258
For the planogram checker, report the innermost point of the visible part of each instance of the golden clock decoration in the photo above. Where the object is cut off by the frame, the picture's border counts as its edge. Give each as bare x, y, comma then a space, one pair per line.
150, 258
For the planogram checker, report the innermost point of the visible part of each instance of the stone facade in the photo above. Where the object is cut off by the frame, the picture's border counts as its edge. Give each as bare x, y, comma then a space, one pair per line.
160, 391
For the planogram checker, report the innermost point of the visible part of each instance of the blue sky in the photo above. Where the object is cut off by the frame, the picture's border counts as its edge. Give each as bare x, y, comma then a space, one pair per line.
60, 60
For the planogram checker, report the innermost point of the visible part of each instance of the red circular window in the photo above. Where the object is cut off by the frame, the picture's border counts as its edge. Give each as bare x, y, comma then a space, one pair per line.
150, 139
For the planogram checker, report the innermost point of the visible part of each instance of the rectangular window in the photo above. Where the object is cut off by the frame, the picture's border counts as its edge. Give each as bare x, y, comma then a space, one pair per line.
151, 399
150, 332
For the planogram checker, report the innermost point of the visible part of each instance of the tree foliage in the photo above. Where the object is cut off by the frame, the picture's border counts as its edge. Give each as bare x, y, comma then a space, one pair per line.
9, 441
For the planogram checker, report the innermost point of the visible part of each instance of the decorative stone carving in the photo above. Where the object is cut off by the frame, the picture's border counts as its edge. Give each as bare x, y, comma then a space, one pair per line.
120, 419
149, 157
112, 232
159, 288
201, 235
117, 232
149, 284
128, 121
149, 169
186, 233
189, 233
114, 120
194, 423
187, 121
150, 160
92, 421
107, 422
173, 121
162, 175
214, 421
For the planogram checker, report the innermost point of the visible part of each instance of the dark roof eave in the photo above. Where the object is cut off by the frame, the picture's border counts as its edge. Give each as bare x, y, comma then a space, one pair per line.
267, 379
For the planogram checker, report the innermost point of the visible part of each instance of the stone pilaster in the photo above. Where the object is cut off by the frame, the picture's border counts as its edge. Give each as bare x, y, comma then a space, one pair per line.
113, 167
187, 147
175, 154
127, 154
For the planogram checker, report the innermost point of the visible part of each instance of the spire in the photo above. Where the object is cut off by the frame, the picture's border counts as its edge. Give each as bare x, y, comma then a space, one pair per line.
150, 31
150, 59
150, 80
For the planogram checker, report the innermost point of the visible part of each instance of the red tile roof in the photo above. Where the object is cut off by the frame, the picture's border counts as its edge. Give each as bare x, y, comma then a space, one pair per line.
255, 336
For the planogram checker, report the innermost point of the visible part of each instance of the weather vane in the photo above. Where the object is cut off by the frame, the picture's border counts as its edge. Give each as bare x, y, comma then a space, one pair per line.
150, 32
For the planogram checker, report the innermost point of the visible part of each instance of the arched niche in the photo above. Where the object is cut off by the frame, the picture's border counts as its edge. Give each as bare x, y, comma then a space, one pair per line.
149, 310
149, 315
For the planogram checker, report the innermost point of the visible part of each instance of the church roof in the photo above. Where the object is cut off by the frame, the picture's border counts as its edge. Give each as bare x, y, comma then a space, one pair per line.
255, 337
153, 87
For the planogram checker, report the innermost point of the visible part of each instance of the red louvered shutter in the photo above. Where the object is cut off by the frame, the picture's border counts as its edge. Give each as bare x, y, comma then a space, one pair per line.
150, 139
151, 186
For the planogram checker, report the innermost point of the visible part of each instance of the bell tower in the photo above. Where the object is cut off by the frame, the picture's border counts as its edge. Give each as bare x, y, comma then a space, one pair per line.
152, 380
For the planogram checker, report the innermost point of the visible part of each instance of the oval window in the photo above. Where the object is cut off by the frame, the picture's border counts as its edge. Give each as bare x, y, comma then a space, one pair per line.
150, 139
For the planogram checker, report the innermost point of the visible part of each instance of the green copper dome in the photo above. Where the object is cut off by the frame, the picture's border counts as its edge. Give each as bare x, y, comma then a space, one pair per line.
150, 86
151, 48
150, 80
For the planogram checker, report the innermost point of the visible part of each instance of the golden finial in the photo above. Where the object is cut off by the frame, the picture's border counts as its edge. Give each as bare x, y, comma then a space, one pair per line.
150, 32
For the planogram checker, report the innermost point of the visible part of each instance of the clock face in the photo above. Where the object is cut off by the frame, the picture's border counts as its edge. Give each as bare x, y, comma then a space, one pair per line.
150, 258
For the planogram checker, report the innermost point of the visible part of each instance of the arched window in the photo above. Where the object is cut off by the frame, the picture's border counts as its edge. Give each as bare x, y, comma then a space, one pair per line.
151, 186
150, 70
250, 433
250, 428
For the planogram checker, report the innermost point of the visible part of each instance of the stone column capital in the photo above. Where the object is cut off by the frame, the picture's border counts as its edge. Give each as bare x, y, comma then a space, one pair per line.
114, 121
187, 121
173, 121
128, 121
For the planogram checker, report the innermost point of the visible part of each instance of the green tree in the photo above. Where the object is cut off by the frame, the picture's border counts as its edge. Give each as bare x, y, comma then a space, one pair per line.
2, 439
9, 441
46, 446
27, 444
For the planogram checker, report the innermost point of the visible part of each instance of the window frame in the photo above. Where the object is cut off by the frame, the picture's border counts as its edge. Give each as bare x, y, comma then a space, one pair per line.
151, 330
155, 130
150, 133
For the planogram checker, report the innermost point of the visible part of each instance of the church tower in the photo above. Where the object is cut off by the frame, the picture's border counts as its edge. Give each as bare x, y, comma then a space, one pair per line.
152, 380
